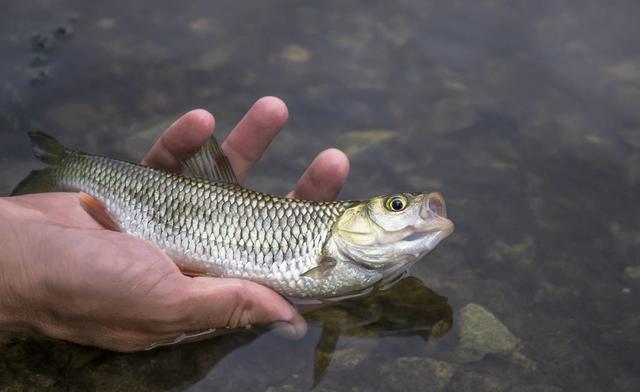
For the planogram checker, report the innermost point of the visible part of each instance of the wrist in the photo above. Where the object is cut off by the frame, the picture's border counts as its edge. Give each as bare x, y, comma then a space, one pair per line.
11, 312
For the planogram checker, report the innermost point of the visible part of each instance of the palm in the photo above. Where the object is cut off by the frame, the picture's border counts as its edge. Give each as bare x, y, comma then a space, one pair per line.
124, 293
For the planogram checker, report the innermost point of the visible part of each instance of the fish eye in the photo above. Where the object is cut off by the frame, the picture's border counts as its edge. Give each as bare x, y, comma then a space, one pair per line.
396, 203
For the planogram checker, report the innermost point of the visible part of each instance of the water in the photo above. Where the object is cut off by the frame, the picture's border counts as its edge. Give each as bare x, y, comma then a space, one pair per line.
523, 115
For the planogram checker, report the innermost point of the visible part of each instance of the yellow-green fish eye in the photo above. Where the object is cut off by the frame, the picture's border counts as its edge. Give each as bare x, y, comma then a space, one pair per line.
396, 203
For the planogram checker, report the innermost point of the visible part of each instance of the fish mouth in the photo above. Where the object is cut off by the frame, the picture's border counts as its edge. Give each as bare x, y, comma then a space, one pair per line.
435, 225
416, 236
434, 211
433, 206
430, 237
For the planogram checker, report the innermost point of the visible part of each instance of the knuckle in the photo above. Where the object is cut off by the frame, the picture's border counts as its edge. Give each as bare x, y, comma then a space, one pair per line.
241, 297
240, 314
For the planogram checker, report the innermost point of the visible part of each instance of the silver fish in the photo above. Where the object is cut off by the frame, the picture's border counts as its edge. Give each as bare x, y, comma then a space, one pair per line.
210, 225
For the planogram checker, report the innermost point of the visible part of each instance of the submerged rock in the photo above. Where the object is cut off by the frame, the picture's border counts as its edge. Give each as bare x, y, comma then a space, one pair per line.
348, 358
417, 373
283, 388
42, 41
362, 140
482, 333
63, 30
453, 114
476, 382
632, 272
537, 388
527, 364
296, 54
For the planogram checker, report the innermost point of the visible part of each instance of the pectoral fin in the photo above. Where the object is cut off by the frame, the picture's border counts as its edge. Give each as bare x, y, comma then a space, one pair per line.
325, 265
98, 212
211, 163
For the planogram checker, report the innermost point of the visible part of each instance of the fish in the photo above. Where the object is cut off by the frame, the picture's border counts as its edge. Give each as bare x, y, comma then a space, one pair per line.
209, 225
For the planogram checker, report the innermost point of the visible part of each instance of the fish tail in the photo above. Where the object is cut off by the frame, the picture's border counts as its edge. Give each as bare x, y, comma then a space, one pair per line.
38, 181
49, 151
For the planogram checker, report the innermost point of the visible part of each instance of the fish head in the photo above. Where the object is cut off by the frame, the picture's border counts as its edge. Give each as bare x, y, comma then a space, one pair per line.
389, 233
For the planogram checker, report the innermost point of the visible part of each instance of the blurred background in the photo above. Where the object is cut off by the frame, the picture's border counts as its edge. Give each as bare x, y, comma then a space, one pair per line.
523, 114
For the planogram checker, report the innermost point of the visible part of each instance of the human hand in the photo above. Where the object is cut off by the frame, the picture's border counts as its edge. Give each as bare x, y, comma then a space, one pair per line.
64, 275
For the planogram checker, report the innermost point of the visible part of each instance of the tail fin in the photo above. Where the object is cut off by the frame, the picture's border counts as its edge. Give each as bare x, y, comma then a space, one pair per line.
38, 181
46, 148
49, 151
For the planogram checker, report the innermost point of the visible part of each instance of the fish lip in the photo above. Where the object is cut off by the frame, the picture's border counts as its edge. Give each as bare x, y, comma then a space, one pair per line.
433, 206
436, 204
431, 237
447, 227
415, 236
440, 226
434, 212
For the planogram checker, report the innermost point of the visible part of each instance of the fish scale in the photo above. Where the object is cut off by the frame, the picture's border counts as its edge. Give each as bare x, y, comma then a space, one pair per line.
213, 226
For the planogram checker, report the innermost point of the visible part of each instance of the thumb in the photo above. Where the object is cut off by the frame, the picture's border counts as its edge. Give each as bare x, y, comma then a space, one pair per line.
236, 303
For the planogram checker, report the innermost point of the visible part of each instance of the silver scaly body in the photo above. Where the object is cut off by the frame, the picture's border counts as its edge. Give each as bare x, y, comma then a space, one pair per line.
210, 225
219, 229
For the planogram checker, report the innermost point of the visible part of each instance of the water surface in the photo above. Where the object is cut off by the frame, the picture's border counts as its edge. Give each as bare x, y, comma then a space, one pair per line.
525, 116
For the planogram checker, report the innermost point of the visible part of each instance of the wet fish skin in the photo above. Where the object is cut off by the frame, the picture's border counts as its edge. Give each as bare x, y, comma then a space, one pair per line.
301, 249
215, 228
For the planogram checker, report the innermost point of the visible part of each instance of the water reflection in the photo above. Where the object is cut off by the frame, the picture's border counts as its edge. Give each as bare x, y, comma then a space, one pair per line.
407, 308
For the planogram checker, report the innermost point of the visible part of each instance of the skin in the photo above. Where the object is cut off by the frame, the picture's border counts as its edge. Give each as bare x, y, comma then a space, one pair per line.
63, 275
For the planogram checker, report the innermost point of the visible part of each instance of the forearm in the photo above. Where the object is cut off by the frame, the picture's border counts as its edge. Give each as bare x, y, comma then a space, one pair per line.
12, 308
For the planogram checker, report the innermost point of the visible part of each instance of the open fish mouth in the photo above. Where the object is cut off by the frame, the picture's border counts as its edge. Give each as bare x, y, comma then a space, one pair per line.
416, 236
440, 230
434, 211
415, 245
424, 241
434, 205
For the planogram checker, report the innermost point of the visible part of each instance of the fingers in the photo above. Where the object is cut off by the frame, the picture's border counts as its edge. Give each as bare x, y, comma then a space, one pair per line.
244, 147
180, 141
324, 178
253, 134
235, 303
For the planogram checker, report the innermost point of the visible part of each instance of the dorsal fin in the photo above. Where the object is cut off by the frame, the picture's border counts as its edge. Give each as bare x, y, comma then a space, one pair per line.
211, 163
